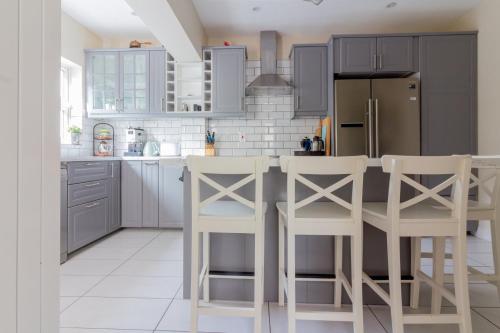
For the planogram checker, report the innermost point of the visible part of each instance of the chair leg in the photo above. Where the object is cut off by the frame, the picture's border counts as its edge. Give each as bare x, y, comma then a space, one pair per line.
195, 253
259, 277
338, 269
439, 252
291, 282
281, 260
357, 280
206, 261
461, 282
495, 241
416, 256
394, 263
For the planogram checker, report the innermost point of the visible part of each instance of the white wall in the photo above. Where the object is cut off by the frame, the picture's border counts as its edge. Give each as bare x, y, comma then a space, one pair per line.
29, 195
75, 38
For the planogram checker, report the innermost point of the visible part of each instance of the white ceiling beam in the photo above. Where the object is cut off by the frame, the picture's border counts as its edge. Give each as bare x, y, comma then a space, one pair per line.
175, 23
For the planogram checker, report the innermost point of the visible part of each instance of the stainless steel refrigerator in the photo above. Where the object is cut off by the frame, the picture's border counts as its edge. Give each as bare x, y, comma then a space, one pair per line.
377, 117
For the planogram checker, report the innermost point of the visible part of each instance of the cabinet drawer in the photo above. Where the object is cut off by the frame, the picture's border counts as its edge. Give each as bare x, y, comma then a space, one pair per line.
87, 223
80, 172
86, 192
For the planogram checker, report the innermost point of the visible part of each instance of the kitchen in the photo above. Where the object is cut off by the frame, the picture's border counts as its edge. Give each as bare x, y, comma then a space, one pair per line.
143, 93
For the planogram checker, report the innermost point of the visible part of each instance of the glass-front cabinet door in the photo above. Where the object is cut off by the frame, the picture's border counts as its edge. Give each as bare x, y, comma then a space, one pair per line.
135, 81
103, 82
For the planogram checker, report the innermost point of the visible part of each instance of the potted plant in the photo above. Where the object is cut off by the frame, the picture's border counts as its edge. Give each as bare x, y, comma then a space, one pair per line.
75, 134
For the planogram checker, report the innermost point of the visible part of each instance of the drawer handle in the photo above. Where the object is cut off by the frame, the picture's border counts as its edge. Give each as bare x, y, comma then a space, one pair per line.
92, 185
91, 164
151, 163
92, 205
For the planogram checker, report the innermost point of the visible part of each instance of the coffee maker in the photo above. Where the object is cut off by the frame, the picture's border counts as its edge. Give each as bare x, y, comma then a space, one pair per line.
135, 141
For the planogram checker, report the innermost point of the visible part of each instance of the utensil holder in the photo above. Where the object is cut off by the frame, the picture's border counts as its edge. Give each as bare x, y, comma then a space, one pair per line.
210, 149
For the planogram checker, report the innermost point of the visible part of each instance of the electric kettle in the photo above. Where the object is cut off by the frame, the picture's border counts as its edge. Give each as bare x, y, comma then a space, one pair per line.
151, 149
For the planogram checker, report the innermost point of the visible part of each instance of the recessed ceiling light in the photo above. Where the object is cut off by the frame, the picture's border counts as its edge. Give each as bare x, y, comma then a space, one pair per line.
316, 2
391, 5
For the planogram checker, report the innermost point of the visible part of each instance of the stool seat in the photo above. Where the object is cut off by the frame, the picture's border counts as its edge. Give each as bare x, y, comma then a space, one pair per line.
317, 210
229, 209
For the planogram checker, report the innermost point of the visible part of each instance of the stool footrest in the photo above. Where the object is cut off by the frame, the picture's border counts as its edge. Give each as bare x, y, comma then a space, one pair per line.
227, 309
213, 274
422, 319
311, 277
325, 316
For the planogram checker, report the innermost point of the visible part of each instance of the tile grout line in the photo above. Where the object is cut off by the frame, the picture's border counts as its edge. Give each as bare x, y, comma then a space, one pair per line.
105, 276
480, 315
376, 318
166, 310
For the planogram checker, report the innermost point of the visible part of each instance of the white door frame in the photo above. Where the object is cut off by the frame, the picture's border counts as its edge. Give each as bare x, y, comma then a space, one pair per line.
29, 189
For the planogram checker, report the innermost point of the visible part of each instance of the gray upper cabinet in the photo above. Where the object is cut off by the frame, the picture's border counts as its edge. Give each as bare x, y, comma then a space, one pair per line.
310, 80
375, 55
448, 66
103, 82
150, 194
157, 81
125, 82
395, 54
171, 202
134, 78
131, 176
228, 77
357, 54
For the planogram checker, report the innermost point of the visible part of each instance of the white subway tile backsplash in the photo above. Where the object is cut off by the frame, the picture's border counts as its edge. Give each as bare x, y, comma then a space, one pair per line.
267, 127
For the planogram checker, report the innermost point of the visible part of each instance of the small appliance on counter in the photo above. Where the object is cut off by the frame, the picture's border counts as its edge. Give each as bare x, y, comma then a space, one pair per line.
104, 135
135, 141
151, 149
169, 148
314, 147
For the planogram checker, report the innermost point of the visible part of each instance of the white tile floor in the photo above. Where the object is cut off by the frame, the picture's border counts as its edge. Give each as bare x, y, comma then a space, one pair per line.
131, 282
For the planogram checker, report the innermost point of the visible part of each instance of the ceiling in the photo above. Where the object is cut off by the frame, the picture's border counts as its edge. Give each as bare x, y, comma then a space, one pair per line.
106, 18
245, 17
114, 18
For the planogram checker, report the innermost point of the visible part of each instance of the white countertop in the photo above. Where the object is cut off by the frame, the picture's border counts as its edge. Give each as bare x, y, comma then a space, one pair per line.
492, 161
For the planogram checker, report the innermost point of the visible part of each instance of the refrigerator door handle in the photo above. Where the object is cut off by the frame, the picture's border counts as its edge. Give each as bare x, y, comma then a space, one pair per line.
377, 138
370, 128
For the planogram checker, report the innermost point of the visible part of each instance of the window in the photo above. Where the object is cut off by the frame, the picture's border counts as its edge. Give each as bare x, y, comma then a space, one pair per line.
71, 98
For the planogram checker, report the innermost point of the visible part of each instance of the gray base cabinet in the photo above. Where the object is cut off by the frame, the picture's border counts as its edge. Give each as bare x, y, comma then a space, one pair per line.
86, 223
92, 202
115, 198
132, 194
171, 208
150, 194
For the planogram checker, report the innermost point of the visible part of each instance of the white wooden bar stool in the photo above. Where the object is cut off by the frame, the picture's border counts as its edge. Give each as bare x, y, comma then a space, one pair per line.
488, 184
239, 216
417, 218
336, 217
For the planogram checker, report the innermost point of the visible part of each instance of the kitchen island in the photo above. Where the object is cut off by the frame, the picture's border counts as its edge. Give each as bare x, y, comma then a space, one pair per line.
315, 254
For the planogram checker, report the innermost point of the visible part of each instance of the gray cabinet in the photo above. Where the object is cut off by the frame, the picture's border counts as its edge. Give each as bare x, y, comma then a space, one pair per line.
115, 198
375, 55
80, 172
448, 65
171, 198
103, 82
86, 223
228, 77
357, 54
395, 54
310, 80
125, 82
134, 79
157, 81
131, 193
150, 194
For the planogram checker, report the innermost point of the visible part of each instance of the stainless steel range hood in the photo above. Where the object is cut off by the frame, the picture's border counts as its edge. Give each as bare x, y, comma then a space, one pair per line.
269, 83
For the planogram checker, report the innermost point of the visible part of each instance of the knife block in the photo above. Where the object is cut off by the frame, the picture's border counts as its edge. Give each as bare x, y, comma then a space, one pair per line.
210, 149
